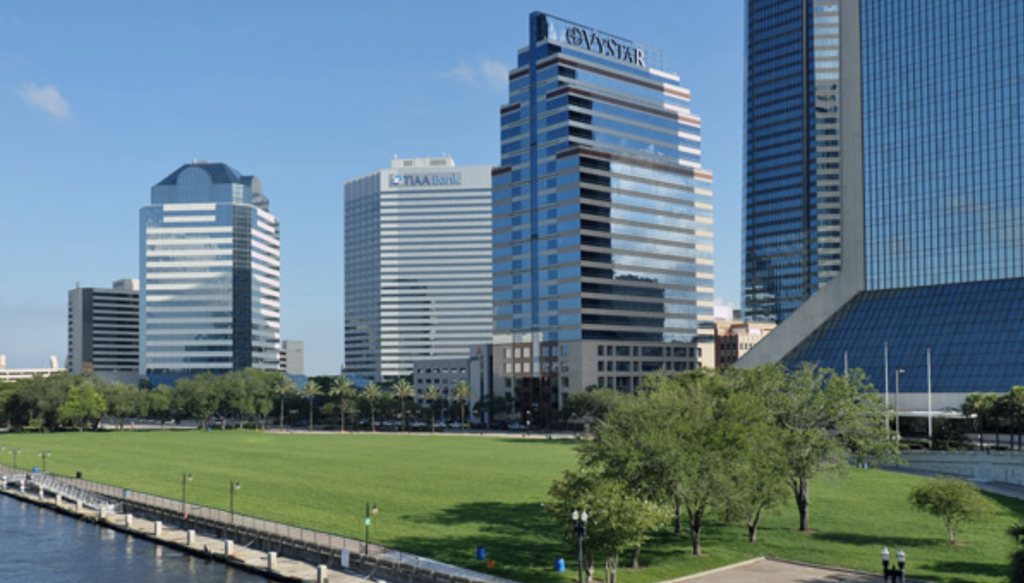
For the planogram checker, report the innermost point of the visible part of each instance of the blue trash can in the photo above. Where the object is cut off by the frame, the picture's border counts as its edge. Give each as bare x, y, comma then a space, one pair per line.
481, 553
560, 566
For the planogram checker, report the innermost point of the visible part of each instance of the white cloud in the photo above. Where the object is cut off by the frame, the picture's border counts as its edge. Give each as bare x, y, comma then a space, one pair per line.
486, 72
47, 99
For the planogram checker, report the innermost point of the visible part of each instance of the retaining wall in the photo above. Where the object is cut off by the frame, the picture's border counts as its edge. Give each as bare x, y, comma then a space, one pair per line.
995, 466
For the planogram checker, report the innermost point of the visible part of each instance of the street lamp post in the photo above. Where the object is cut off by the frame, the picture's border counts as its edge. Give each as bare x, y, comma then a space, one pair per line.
579, 526
15, 453
44, 455
898, 373
895, 574
234, 486
366, 540
185, 479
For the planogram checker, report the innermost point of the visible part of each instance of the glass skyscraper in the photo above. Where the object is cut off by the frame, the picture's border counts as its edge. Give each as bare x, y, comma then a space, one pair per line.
417, 265
936, 93
603, 265
792, 205
210, 272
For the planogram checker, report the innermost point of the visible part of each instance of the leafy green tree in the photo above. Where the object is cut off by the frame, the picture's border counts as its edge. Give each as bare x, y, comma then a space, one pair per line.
403, 390
311, 391
344, 389
84, 406
592, 405
371, 394
283, 387
677, 442
158, 404
196, 397
121, 401
954, 501
431, 396
825, 418
1017, 558
462, 393
618, 521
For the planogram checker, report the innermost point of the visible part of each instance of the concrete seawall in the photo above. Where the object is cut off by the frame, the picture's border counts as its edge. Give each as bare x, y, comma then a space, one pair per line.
275, 551
995, 466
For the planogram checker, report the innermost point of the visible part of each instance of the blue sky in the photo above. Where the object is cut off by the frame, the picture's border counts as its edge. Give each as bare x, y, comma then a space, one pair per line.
99, 101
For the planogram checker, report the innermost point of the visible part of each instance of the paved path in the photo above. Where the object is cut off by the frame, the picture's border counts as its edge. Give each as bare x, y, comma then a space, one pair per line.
772, 571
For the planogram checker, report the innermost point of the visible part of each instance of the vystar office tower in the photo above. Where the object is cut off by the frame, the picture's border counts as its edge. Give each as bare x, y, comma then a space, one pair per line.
603, 267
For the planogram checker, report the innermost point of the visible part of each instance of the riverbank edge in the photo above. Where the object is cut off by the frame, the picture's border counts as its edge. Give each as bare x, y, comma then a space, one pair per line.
204, 552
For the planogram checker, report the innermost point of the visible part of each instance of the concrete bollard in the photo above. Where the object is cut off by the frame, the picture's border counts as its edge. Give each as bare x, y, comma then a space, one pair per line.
103, 513
321, 574
42, 492
190, 537
158, 528
271, 561
58, 499
229, 547
128, 518
78, 506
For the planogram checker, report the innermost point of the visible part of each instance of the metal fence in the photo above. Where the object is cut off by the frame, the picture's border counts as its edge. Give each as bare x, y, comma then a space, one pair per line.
241, 526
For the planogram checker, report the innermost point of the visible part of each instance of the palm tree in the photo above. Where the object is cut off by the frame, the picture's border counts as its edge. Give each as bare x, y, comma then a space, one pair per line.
403, 390
462, 393
312, 389
282, 388
343, 388
371, 393
431, 396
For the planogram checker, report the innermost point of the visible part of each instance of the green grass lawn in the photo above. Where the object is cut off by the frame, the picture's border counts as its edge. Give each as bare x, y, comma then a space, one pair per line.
443, 495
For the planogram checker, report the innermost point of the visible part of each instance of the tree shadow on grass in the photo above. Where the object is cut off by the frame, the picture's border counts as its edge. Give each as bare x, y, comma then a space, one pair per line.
851, 538
967, 568
520, 538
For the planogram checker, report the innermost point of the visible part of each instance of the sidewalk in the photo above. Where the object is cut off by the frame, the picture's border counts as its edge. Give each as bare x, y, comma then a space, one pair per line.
773, 571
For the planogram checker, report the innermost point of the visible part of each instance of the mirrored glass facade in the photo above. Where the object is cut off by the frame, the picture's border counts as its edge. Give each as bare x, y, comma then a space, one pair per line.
602, 213
210, 275
943, 153
417, 265
792, 232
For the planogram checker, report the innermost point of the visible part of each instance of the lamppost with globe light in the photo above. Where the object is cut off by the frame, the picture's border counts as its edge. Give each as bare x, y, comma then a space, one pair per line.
44, 455
15, 453
185, 479
895, 574
366, 540
579, 526
234, 486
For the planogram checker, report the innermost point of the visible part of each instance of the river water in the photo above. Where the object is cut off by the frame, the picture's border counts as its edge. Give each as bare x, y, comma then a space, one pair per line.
37, 544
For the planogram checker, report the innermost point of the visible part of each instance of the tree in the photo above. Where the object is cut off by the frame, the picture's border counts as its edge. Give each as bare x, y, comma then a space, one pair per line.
954, 501
978, 407
196, 397
122, 401
403, 390
312, 391
283, 387
371, 393
158, 404
761, 472
825, 418
592, 405
677, 442
343, 388
1017, 558
462, 393
431, 397
83, 406
618, 520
